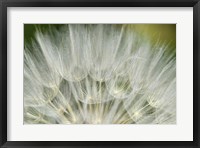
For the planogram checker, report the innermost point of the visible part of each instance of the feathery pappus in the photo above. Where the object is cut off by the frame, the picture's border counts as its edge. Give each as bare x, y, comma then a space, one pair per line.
98, 74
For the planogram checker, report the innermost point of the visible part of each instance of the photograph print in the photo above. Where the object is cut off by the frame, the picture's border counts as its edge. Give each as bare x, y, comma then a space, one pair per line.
99, 74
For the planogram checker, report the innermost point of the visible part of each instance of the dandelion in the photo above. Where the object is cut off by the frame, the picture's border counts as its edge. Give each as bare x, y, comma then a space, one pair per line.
98, 74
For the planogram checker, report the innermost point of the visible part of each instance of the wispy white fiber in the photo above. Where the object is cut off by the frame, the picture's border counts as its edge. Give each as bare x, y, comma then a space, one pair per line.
98, 74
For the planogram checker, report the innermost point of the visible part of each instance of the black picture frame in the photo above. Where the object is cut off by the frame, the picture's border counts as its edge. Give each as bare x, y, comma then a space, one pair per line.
4, 4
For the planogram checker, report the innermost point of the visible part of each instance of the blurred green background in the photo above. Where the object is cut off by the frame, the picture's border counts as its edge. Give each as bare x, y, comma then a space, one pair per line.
165, 33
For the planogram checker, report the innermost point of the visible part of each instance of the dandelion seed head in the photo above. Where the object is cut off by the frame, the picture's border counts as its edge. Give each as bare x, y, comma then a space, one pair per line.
98, 74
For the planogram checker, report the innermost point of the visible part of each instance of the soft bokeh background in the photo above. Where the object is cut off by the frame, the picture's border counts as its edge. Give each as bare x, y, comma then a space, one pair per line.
165, 33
